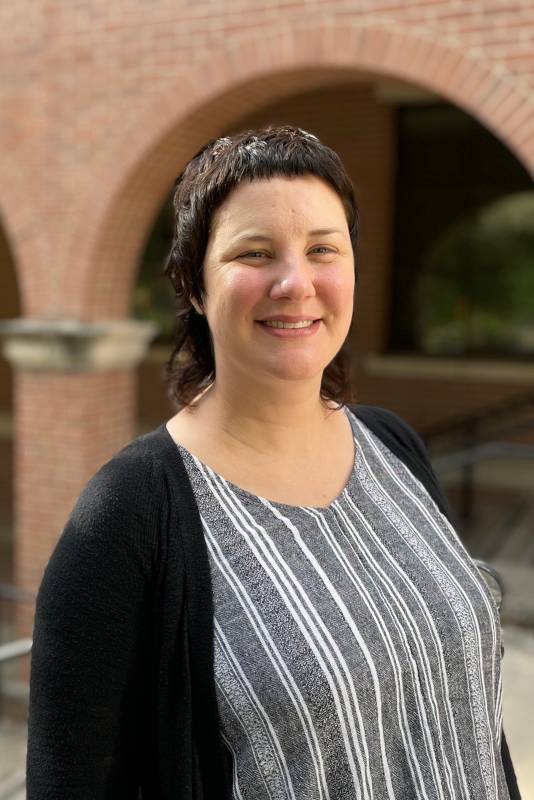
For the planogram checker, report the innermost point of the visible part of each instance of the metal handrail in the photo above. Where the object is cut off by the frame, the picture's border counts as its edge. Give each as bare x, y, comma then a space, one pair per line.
16, 649
466, 460
16, 593
495, 582
461, 423
481, 452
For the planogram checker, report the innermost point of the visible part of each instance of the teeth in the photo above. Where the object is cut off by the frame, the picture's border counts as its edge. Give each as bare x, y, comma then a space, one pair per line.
275, 323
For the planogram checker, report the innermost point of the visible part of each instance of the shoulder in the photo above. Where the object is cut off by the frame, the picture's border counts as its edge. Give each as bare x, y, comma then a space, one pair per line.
407, 445
389, 427
116, 532
127, 491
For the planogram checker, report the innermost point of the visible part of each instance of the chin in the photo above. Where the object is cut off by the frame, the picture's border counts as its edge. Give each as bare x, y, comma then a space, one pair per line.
293, 371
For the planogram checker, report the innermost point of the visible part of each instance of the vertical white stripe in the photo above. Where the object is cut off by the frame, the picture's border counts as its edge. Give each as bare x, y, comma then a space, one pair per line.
275, 658
236, 794
264, 738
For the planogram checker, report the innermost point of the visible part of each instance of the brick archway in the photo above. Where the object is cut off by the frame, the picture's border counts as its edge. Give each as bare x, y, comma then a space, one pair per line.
249, 75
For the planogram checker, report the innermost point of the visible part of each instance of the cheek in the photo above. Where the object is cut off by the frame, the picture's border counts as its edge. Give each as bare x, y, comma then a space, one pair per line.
337, 289
243, 290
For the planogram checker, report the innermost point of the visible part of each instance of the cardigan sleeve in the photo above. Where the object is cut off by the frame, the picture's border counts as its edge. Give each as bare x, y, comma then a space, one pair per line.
92, 640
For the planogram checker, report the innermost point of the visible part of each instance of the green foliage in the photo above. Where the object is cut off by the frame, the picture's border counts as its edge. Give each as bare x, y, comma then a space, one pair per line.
476, 290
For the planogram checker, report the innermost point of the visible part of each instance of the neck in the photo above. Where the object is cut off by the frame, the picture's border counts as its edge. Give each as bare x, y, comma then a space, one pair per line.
286, 422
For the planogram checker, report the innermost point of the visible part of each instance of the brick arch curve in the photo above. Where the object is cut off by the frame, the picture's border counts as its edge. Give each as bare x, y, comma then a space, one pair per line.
15, 250
13, 296
213, 93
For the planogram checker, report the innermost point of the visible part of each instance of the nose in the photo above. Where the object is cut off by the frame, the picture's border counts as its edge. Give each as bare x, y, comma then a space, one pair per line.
294, 279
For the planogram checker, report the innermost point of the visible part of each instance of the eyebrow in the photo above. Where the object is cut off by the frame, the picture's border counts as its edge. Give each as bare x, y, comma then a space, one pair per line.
258, 237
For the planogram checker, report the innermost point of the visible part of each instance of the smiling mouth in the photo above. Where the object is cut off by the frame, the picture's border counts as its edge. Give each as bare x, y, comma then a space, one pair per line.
282, 329
277, 323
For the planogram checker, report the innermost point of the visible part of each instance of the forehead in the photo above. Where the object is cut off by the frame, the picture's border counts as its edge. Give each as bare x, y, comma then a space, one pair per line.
276, 201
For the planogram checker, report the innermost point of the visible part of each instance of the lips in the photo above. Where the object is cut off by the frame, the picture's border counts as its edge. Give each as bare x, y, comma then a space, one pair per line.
286, 330
275, 323
289, 318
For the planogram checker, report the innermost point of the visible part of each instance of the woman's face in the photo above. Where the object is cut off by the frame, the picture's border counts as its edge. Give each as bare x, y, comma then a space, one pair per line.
279, 250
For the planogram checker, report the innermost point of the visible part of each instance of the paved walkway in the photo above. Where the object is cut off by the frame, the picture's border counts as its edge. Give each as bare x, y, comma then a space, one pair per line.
518, 704
518, 679
12, 760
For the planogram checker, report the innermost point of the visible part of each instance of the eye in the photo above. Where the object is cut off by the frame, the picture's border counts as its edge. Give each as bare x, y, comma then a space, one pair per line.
321, 250
252, 254
325, 250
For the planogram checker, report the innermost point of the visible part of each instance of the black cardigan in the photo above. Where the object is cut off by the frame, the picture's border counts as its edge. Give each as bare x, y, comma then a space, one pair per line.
122, 691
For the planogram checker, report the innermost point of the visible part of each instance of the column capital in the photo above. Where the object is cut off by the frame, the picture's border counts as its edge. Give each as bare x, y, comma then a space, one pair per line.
69, 345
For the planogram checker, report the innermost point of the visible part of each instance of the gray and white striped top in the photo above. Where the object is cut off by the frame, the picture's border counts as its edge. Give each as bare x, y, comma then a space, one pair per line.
357, 649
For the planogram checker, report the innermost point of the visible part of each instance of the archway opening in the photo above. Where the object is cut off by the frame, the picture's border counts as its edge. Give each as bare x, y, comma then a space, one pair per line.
451, 171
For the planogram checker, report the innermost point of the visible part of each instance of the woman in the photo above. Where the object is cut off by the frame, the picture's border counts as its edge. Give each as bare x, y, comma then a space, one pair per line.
263, 598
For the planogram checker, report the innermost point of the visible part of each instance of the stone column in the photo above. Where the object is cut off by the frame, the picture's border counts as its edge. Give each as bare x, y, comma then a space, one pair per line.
74, 407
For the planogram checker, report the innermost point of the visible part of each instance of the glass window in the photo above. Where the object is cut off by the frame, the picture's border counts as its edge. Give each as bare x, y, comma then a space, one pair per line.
463, 266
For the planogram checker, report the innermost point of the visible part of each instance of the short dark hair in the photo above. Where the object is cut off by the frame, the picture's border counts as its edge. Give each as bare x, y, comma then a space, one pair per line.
199, 190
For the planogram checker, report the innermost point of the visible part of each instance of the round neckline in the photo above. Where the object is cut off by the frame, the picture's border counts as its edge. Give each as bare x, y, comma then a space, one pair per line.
244, 493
